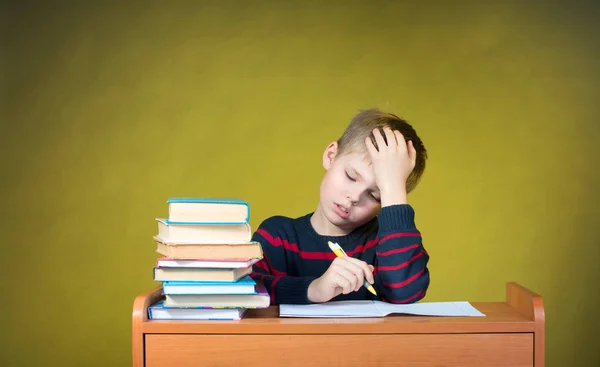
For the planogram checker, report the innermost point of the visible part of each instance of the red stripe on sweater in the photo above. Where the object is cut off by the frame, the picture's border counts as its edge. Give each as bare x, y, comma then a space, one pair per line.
276, 242
361, 248
312, 255
272, 270
262, 265
273, 283
404, 282
401, 265
400, 234
309, 255
397, 250
258, 275
409, 299
273, 241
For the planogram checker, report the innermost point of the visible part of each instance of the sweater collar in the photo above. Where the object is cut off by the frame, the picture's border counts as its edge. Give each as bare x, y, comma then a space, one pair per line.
350, 238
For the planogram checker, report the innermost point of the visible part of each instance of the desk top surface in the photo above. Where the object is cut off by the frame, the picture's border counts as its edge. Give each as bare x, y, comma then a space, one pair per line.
500, 317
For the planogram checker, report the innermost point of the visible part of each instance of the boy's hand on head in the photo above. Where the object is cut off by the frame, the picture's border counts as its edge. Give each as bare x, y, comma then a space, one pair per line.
344, 275
392, 164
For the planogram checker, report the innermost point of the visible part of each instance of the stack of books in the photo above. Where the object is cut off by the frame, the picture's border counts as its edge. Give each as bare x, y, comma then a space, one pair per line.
208, 256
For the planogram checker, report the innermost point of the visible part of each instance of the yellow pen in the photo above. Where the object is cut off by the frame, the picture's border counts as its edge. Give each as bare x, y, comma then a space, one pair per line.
339, 252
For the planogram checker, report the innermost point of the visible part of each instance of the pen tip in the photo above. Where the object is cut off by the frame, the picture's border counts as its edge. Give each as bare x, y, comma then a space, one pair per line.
372, 290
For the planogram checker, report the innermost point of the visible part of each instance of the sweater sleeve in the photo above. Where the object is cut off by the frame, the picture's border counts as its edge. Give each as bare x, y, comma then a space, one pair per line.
271, 270
401, 274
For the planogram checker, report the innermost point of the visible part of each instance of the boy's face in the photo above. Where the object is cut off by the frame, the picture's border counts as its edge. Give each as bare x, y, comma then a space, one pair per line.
349, 196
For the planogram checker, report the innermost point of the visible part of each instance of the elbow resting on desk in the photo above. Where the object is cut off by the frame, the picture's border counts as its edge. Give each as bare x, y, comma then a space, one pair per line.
405, 285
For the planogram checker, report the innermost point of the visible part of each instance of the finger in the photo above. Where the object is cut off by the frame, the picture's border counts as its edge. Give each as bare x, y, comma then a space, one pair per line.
345, 283
349, 276
412, 152
400, 139
359, 268
365, 270
358, 273
337, 291
392, 139
379, 139
356, 266
370, 147
336, 280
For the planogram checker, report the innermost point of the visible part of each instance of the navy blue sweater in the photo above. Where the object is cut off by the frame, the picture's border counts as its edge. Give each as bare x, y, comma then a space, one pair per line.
295, 255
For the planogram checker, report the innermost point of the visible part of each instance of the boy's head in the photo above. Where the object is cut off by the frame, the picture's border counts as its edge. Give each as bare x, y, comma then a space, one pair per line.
362, 126
349, 195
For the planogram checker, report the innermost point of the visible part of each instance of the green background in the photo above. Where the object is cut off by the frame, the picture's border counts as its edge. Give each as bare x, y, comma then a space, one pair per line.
108, 110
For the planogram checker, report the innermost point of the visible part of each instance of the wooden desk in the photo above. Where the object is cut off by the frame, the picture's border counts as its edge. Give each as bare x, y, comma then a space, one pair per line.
511, 334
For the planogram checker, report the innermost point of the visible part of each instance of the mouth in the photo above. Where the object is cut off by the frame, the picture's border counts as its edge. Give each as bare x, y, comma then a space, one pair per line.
342, 211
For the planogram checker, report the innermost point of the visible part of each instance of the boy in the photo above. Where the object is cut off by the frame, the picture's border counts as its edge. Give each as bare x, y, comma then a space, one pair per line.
363, 207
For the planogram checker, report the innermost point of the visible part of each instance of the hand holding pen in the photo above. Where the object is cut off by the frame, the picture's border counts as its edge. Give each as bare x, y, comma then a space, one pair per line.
345, 275
339, 252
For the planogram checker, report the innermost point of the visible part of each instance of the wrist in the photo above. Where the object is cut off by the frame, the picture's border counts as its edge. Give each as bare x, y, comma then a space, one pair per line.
393, 196
312, 292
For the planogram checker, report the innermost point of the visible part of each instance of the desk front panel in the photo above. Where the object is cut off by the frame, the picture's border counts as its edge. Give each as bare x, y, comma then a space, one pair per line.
353, 350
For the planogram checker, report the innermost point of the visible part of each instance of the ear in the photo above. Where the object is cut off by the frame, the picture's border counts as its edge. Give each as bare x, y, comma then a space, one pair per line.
329, 155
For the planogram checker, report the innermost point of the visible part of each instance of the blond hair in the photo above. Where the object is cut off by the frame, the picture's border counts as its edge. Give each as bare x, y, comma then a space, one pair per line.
362, 125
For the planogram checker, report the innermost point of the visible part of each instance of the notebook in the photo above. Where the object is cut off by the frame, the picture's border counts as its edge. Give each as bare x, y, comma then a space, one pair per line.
377, 309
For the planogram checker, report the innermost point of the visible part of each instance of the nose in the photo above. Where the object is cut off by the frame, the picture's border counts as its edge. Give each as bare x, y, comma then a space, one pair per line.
353, 196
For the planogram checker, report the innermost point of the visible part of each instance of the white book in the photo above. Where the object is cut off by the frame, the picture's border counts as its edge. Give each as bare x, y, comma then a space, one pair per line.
259, 300
377, 309
203, 233
187, 288
159, 312
192, 263
208, 210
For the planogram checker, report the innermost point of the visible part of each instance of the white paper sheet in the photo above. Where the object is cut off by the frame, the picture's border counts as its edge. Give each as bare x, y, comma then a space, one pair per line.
378, 309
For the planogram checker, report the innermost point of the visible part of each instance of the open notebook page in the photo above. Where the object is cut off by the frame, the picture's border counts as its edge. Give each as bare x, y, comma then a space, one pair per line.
377, 309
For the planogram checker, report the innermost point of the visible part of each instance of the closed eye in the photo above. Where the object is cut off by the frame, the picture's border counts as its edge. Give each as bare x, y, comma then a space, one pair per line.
375, 198
350, 178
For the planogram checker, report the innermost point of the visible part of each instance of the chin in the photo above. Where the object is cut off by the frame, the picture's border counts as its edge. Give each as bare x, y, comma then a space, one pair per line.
345, 224
333, 218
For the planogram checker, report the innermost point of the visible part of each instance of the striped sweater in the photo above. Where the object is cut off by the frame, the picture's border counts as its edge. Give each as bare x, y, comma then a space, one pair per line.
295, 255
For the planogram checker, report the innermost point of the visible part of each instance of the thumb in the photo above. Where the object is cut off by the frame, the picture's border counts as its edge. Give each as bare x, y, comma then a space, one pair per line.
371, 278
412, 153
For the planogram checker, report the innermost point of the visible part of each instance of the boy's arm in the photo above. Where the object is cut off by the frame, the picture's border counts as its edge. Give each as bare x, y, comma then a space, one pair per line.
401, 261
401, 274
271, 270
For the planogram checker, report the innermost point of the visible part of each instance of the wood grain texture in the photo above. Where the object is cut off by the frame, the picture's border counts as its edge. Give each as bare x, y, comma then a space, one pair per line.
499, 318
138, 318
531, 305
450, 350
511, 334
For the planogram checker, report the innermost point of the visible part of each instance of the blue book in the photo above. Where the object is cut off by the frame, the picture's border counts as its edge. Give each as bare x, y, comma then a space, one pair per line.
158, 312
246, 285
188, 210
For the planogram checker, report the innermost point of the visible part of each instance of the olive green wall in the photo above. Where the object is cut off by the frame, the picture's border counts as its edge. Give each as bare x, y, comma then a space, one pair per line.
109, 110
